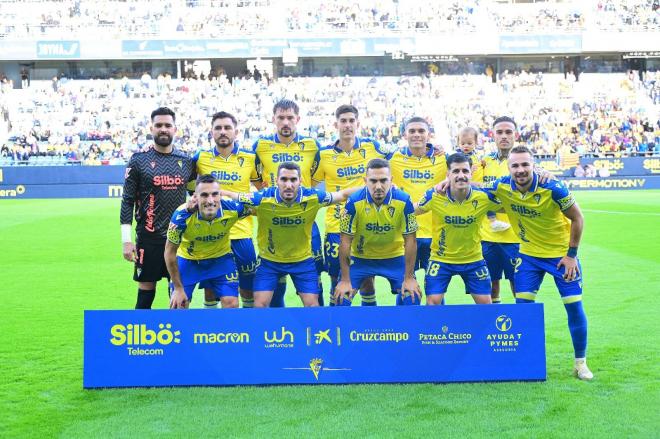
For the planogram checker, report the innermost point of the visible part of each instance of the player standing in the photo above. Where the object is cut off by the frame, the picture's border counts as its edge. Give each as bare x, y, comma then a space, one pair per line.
286, 145
154, 186
343, 165
234, 169
549, 224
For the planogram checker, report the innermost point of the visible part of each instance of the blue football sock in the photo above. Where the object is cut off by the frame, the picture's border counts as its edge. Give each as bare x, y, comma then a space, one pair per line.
368, 299
577, 324
278, 295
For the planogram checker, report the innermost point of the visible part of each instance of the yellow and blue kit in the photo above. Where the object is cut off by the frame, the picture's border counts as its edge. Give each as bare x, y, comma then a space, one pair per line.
284, 236
378, 243
342, 170
456, 244
234, 173
270, 152
544, 232
500, 249
415, 175
204, 253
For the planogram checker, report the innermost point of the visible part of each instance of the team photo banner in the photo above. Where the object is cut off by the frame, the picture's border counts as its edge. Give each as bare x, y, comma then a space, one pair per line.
456, 343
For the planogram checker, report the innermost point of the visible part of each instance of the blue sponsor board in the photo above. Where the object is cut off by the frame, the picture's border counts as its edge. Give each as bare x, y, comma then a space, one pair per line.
57, 49
314, 346
610, 183
540, 44
81, 190
62, 174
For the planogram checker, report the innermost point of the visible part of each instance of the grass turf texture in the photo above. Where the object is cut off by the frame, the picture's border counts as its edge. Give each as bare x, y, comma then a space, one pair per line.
60, 257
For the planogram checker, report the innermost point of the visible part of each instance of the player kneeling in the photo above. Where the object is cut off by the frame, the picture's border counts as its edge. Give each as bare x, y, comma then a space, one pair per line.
456, 243
198, 248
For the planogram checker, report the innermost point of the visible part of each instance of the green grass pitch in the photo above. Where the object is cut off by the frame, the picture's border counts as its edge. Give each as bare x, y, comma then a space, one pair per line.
60, 257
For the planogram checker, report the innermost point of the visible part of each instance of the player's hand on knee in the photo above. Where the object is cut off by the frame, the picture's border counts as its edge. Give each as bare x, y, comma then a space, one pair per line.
571, 271
343, 289
179, 300
128, 249
411, 286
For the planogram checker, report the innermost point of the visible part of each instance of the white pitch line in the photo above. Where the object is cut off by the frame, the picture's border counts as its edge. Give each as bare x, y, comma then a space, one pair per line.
618, 212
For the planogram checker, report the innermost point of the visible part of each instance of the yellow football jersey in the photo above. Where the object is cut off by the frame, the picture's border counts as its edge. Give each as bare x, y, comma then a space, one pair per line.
493, 168
233, 173
201, 239
456, 237
270, 152
378, 230
342, 170
537, 216
285, 231
415, 175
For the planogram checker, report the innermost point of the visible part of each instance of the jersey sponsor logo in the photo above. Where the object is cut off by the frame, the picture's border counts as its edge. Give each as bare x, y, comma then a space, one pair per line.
351, 171
416, 174
286, 221
211, 238
226, 176
287, 157
167, 181
525, 211
457, 220
379, 228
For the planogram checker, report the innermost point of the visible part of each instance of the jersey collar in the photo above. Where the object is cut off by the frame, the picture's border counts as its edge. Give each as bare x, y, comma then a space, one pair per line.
278, 198
429, 151
356, 145
233, 151
532, 188
453, 200
296, 138
388, 196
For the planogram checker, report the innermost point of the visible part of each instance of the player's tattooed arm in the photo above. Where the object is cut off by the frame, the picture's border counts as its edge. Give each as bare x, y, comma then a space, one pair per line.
577, 226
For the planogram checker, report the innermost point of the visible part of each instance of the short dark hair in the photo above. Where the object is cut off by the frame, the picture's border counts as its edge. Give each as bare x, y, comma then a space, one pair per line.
416, 119
291, 166
163, 111
346, 108
206, 178
224, 115
521, 150
378, 164
505, 119
458, 157
286, 104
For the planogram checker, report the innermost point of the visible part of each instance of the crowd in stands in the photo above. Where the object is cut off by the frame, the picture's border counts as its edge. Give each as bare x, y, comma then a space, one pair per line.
105, 121
116, 19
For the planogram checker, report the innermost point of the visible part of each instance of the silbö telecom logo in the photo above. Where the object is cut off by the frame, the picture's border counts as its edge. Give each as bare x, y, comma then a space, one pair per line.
140, 340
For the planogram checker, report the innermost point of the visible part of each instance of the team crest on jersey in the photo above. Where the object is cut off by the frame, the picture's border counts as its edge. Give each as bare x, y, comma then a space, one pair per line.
153, 165
367, 210
241, 160
303, 205
224, 222
335, 157
390, 210
537, 198
128, 171
475, 203
180, 164
363, 152
301, 145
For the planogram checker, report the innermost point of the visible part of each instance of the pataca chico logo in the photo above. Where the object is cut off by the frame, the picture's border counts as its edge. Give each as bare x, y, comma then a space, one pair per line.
503, 323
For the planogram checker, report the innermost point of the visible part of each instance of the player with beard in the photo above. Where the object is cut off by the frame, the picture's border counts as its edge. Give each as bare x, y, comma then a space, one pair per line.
154, 186
233, 169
